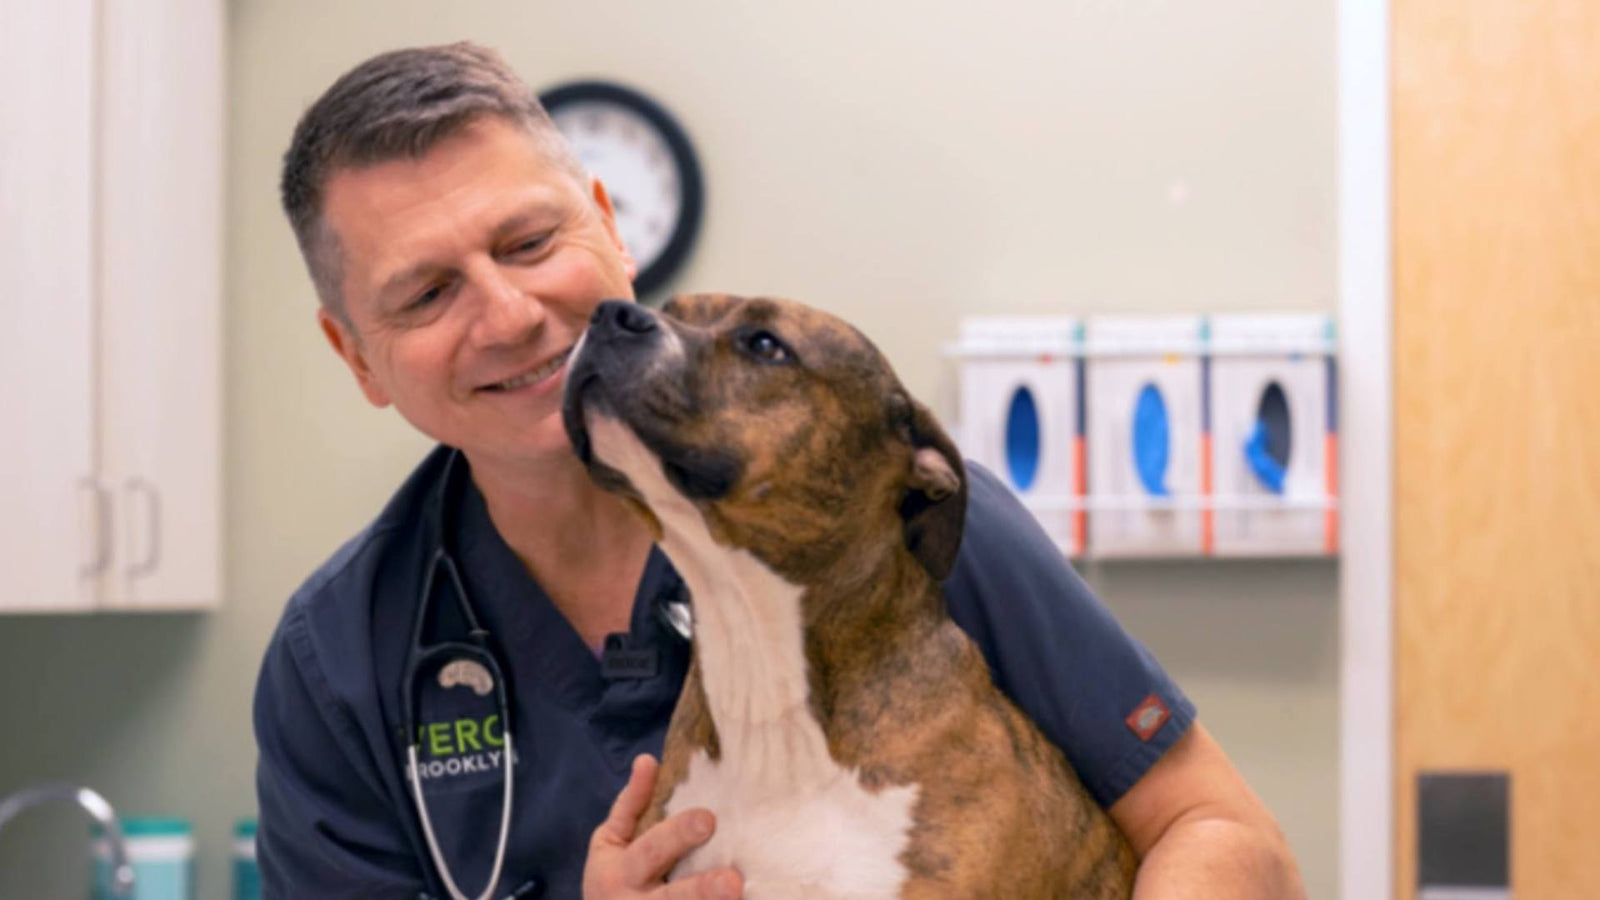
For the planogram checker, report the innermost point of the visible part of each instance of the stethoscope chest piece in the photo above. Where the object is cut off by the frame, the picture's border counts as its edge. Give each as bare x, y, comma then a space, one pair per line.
469, 673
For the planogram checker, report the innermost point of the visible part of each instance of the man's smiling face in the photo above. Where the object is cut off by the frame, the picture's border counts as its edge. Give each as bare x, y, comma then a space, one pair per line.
468, 274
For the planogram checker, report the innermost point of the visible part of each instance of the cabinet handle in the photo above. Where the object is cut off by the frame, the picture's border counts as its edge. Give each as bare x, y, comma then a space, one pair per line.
102, 527
152, 505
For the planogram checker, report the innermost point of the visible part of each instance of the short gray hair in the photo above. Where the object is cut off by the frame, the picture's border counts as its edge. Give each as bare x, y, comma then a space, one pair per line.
397, 105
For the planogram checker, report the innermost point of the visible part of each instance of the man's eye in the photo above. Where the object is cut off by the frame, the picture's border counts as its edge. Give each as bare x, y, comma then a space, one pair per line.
530, 245
428, 296
765, 346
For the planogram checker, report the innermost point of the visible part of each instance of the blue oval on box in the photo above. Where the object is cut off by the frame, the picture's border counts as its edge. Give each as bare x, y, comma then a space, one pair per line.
1022, 439
1152, 439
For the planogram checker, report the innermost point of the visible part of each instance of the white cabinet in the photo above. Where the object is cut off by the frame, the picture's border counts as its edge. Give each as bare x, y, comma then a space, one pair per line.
110, 263
46, 283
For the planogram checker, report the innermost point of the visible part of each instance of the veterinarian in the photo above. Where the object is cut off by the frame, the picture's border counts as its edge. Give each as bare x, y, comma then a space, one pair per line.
460, 695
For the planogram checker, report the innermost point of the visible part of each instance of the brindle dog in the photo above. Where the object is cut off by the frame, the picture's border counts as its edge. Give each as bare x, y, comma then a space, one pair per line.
844, 730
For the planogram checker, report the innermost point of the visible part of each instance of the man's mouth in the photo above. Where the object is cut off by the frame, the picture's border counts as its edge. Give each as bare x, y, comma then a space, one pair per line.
532, 376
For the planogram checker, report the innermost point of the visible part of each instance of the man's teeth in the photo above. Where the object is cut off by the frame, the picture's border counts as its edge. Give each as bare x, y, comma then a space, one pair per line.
539, 374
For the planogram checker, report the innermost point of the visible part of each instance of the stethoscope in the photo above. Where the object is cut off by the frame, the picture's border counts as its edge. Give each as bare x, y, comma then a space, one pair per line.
473, 663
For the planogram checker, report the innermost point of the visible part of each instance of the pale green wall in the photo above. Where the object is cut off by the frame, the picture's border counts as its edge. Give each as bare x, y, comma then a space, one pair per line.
904, 163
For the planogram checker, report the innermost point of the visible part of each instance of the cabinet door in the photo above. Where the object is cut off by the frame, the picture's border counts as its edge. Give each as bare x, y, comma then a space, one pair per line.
161, 85
49, 520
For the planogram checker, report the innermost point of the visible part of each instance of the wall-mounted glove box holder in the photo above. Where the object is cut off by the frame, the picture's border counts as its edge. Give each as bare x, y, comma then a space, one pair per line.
1160, 435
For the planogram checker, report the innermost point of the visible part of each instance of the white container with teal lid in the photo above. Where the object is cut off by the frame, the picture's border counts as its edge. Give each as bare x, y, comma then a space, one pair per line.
161, 852
246, 877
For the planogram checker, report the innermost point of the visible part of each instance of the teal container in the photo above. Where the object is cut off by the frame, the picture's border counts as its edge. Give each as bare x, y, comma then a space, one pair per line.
246, 877
161, 852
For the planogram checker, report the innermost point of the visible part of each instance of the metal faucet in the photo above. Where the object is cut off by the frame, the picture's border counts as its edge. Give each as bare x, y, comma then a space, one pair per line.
97, 808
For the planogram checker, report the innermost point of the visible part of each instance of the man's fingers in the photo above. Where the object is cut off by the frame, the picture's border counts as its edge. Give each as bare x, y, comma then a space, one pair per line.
717, 884
656, 851
617, 829
620, 861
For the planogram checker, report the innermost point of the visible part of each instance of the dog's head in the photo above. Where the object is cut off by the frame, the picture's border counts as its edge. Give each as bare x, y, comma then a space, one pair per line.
779, 426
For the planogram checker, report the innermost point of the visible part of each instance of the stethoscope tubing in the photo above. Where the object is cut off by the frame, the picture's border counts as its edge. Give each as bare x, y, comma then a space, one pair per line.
439, 862
674, 615
415, 659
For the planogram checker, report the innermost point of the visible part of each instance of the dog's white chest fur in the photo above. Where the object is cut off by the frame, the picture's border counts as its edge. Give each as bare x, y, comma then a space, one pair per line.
835, 840
793, 821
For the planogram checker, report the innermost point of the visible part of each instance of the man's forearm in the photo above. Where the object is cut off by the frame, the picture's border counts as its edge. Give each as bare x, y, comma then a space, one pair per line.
1216, 857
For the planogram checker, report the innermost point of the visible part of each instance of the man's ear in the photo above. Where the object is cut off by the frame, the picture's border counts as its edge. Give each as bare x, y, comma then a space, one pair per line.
345, 343
934, 508
609, 216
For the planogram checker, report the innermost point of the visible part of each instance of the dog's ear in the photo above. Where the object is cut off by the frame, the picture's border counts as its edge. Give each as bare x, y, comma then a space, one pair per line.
934, 507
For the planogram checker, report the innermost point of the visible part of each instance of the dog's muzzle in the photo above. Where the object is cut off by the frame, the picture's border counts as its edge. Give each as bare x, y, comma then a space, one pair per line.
607, 359
618, 370
621, 320
606, 350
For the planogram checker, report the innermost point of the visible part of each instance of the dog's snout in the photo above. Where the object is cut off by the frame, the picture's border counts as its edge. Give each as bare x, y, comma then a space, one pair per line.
623, 317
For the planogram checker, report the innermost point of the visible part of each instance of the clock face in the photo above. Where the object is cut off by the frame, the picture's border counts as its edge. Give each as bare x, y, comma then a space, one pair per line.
645, 161
619, 147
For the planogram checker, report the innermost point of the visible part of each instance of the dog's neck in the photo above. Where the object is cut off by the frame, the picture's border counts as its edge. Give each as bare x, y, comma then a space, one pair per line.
747, 632
873, 586
777, 659
760, 639
749, 645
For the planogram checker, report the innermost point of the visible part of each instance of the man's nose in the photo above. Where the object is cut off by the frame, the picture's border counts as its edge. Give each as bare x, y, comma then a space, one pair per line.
509, 315
621, 319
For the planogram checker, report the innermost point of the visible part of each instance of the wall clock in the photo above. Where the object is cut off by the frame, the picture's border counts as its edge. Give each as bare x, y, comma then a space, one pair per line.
633, 145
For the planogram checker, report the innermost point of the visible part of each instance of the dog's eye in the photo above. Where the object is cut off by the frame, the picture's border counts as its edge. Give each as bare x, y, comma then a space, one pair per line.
765, 346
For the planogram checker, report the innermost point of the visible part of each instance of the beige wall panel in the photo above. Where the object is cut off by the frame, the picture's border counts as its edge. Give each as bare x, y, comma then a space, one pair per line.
1497, 431
905, 162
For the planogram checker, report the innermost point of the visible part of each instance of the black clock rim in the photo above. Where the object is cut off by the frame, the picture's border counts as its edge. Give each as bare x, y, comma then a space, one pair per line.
687, 228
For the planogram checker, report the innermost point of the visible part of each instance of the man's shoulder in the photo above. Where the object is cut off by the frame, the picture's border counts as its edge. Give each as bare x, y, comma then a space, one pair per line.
1010, 577
987, 496
1054, 648
998, 525
335, 605
347, 574
408, 514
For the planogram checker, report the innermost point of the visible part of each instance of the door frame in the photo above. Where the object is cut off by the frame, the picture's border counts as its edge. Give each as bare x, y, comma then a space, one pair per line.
1366, 568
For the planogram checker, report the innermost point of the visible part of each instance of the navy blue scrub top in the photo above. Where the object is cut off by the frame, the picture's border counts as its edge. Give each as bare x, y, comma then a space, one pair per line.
336, 814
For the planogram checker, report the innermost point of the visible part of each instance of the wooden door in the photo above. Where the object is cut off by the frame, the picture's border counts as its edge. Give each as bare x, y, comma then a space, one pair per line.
1497, 420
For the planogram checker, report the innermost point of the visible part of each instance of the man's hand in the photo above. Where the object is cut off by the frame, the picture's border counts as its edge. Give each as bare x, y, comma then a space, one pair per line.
622, 868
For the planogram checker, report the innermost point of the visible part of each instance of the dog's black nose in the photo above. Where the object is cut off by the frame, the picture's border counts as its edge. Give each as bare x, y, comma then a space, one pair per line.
623, 316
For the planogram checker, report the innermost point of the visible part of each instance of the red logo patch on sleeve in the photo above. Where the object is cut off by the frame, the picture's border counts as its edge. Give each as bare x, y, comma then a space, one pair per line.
1148, 717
